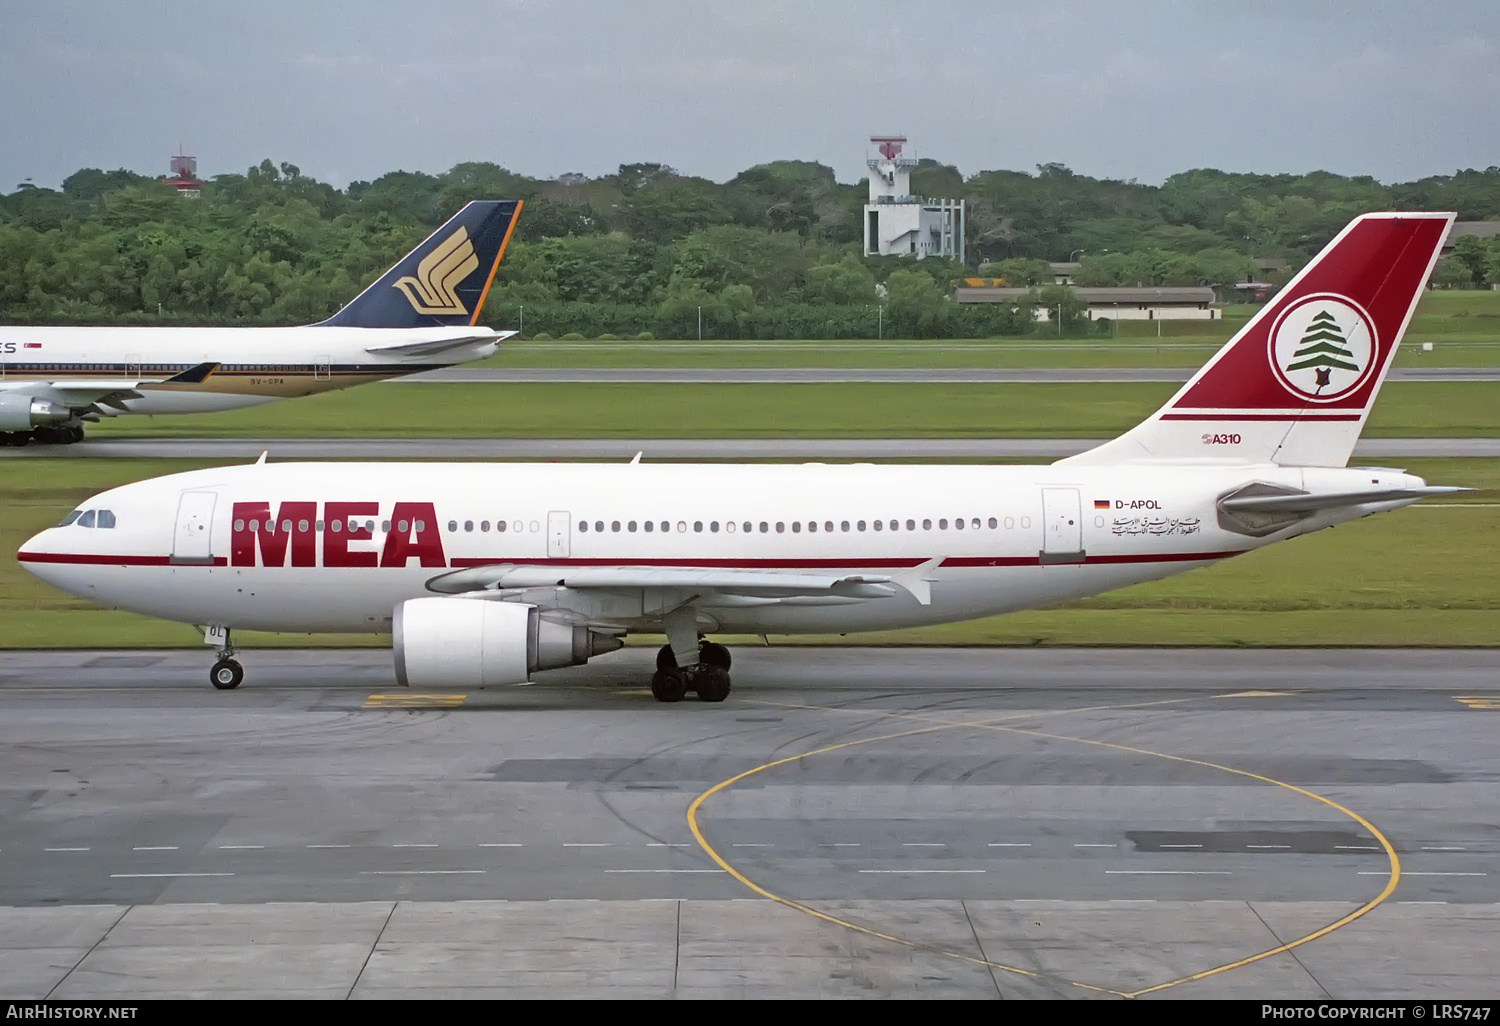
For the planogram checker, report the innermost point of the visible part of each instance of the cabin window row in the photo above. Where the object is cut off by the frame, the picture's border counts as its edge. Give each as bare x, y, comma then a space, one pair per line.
120, 368
614, 526
402, 526
798, 526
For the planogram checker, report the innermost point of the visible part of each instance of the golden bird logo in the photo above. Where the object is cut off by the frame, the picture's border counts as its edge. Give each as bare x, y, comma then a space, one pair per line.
432, 290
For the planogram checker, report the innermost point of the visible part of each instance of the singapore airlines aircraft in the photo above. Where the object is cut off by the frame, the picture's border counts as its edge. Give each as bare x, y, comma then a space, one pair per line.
419, 315
486, 573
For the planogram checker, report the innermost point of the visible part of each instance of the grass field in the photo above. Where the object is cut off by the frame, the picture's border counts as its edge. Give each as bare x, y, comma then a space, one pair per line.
855, 410
1464, 328
1427, 575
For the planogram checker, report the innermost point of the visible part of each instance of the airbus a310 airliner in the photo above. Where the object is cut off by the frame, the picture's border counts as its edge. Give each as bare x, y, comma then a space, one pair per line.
486, 573
420, 315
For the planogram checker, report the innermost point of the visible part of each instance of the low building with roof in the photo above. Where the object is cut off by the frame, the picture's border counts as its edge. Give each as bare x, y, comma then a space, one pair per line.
1147, 303
1480, 229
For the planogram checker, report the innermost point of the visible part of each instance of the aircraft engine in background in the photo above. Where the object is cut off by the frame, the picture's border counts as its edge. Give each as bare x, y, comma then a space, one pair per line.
459, 642
20, 412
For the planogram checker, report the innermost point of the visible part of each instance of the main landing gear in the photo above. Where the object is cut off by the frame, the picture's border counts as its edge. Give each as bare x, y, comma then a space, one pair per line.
227, 672
709, 676
47, 434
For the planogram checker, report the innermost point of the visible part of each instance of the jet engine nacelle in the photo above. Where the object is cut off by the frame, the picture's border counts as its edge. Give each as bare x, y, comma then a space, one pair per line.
23, 412
456, 642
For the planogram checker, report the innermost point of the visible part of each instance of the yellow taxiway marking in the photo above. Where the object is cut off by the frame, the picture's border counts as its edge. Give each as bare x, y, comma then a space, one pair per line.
998, 723
413, 700
1479, 701
1257, 694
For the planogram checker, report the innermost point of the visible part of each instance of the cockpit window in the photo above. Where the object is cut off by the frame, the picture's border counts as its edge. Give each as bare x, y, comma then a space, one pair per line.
87, 520
71, 517
106, 518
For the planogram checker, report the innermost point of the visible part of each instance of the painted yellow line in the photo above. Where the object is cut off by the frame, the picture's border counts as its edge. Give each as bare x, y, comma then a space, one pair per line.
419, 700
1479, 701
1390, 851
1393, 878
692, 819
945, 721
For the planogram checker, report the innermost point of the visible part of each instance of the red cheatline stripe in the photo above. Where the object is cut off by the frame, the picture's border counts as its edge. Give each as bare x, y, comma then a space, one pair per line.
707, 564
1308, 417
730, 564
1155, 557
104, 559
844, 564
1164, 557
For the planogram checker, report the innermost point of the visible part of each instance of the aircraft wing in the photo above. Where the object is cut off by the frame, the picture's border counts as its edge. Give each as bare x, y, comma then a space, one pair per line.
77, 394
1310, 502
435, 346
751, 583
110, 392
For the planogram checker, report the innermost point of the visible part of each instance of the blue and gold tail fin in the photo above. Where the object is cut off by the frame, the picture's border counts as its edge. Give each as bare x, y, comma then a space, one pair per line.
443, 282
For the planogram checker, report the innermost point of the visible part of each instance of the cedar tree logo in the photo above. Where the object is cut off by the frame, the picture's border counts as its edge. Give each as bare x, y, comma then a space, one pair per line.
431, 291
1323, 348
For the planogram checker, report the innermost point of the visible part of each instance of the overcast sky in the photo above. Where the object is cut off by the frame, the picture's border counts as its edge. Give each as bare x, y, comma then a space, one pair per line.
350, 90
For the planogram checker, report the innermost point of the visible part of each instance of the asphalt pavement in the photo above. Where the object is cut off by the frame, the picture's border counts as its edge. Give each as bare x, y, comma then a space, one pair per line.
844, 375
957, 822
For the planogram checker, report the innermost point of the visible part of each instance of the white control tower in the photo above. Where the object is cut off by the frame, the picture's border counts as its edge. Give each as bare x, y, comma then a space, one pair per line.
900, 224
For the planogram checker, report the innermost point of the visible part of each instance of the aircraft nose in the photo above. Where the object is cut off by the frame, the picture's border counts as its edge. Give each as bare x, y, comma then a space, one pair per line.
31, 555
31, 546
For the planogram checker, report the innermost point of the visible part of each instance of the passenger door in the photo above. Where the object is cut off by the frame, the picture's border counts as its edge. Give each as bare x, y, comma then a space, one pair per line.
192, 540
1062, 524
559, 531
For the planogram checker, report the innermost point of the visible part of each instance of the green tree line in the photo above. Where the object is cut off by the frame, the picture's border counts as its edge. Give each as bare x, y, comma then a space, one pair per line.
775, 252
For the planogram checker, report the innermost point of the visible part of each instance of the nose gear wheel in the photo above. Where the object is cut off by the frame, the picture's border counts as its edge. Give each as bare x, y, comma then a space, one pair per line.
226, 674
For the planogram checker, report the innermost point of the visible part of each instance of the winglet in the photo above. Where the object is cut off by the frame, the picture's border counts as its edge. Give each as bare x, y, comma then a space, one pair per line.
636, 459
261, 462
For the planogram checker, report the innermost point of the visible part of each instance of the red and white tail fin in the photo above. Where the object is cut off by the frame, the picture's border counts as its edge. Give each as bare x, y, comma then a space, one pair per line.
1295, 385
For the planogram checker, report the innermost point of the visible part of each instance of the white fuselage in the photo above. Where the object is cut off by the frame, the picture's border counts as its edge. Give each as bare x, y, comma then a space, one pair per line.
249, 366
182, 547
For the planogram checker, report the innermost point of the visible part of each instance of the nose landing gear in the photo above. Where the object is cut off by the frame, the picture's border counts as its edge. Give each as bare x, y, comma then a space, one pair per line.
227, 672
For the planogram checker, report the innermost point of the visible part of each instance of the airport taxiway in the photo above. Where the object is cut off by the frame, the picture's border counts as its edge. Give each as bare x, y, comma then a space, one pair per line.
659, 448
977, 822
865, 375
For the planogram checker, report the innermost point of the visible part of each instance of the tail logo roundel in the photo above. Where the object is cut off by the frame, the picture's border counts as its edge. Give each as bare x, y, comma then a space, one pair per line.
1323, 347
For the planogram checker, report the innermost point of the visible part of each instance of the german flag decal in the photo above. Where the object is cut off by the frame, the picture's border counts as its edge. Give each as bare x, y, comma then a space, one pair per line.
1101, 504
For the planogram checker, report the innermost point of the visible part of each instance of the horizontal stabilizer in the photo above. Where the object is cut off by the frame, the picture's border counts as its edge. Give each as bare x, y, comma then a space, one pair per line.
1311, 502
734, 582
435, 346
